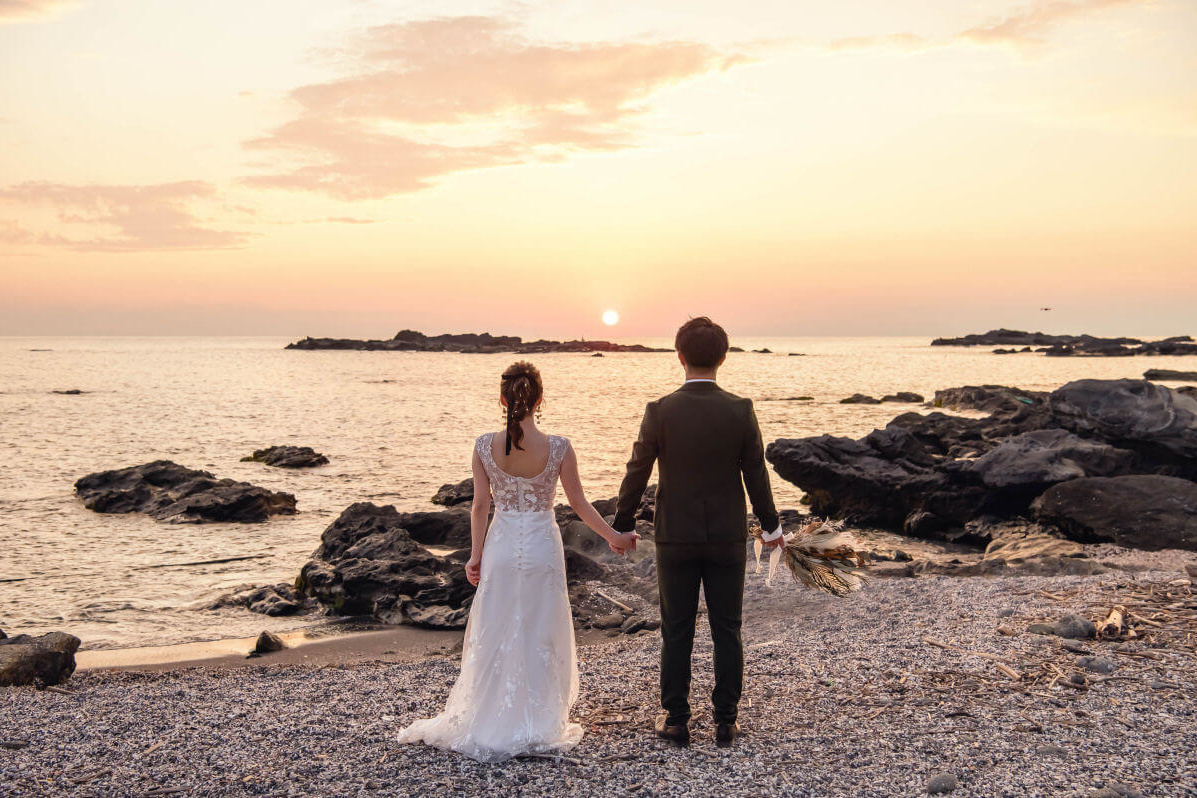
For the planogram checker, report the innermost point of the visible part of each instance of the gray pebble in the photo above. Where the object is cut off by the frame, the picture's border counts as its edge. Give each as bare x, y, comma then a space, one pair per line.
1097, 664
1047, 749
1076, 627
942, 783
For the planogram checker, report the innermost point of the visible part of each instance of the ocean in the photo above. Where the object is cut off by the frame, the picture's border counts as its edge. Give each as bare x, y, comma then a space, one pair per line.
395, 425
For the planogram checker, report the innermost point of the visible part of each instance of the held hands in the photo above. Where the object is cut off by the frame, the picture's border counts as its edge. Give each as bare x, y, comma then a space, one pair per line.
624, 543
473, 569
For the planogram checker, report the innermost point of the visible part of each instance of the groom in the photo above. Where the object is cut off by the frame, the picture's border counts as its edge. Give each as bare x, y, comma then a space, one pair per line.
708, 447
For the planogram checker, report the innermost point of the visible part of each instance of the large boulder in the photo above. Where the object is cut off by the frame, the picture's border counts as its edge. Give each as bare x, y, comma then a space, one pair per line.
857, 479
1037, 459
287, 457
40, 661
170, 492
1143, 511
368, 564
1152, 420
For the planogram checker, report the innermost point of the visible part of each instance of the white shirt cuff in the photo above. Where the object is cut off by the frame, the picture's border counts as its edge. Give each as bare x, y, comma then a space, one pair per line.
769, 537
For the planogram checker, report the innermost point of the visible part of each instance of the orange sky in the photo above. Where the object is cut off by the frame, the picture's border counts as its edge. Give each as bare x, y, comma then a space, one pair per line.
867, 167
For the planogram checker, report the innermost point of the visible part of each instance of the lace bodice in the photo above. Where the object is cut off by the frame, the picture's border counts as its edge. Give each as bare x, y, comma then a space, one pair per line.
522, 494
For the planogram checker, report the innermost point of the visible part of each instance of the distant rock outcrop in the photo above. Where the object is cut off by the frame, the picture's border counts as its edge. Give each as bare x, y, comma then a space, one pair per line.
1171, 375
931, 475
170, 492
1068, 345
476, 343
39, 661
287, 457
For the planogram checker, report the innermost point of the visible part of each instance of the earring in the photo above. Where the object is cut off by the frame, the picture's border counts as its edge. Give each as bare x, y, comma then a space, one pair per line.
539, 411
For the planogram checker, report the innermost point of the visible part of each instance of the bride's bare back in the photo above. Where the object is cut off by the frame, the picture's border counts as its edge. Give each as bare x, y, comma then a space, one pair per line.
528, 462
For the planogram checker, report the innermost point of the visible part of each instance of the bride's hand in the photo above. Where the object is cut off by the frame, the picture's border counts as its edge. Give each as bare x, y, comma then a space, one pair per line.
624, 543
473, 569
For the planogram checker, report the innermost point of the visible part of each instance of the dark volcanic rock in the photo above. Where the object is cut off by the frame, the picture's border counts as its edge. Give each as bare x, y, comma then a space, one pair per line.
460, 493
448, 529
170, 492
986, 398
1041, 458
273, 600
368, 564
860, 399
1170, 374
1142, 511
267, 642
44, 660
371, 562
70, 392
902, 396
476, 343
287, 457
933, 475
1156, 422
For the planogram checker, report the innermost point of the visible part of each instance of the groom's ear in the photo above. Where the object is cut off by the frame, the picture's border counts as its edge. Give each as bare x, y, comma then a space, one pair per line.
681, 359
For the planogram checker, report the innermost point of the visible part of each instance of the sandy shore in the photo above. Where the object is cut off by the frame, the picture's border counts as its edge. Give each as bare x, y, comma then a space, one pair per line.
844, 697
319, 647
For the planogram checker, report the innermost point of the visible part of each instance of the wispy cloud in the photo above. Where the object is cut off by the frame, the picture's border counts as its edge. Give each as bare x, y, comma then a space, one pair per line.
429, 98
1025, 28
33, 10
342, 220
140, 218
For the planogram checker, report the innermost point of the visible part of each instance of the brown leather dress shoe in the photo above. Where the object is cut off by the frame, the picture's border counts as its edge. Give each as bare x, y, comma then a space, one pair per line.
726, 733
678, 734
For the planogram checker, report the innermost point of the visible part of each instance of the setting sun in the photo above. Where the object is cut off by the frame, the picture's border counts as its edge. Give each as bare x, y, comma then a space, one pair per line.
610, 318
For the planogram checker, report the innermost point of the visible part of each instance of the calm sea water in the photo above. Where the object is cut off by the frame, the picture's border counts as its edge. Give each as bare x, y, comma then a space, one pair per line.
395, 425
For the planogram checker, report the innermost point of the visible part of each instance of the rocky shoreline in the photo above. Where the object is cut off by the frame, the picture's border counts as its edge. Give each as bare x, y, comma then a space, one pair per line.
470, 343
1094, 460
912, 684
1071, 345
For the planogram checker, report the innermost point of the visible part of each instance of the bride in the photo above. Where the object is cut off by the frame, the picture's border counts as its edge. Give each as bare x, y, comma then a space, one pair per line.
519, 674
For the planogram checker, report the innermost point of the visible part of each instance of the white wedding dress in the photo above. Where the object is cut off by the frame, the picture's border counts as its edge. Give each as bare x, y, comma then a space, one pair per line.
519, 672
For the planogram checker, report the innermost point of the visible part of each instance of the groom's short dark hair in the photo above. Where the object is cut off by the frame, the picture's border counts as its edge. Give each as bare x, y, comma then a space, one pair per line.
702, 342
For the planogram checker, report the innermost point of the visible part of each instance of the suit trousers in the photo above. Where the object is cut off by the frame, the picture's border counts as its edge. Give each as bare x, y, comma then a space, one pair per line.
719, 569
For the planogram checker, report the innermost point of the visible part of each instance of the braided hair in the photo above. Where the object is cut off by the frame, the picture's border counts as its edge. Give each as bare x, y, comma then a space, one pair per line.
521, 388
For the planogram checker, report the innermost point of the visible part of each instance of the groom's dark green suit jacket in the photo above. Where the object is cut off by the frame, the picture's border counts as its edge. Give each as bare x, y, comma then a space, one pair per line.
708, 447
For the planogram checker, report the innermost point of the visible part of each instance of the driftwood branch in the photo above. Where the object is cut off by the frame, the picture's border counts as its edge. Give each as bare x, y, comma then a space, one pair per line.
619, 604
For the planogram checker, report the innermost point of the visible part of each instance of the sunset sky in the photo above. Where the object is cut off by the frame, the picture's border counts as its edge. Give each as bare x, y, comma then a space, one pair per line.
791, 168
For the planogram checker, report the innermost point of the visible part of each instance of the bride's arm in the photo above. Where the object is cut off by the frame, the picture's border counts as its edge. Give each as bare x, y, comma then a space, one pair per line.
571, 482
479, 512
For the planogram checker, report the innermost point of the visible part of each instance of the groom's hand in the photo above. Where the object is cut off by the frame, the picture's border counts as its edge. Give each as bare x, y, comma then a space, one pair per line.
775, 539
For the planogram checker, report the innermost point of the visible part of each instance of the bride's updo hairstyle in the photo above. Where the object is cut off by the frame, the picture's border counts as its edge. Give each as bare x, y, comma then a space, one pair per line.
521, 388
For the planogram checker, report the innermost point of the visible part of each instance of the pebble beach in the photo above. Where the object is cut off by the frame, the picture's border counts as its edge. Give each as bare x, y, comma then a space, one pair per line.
914, 685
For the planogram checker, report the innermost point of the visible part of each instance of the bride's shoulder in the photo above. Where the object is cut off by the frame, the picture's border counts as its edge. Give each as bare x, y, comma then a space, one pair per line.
483, 440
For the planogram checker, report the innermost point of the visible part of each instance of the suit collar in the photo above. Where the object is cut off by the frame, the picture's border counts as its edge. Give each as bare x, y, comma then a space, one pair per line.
698, 386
